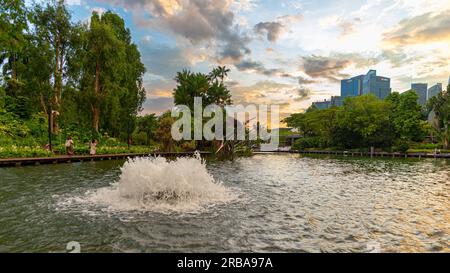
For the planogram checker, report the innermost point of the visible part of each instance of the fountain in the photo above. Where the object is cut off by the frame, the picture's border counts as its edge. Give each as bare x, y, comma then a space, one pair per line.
158, 184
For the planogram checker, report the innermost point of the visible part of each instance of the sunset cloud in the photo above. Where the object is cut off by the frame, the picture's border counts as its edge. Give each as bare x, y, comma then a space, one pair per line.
426, 28
291, 52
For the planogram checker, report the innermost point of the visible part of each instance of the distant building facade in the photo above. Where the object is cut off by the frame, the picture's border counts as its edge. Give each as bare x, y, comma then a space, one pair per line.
352, 87
337, 101
321, 105
366, 84
357, 86
421, 90
379, 86
434, 90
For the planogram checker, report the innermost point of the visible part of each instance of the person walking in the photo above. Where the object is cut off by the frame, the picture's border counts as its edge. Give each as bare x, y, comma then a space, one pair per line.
69, 146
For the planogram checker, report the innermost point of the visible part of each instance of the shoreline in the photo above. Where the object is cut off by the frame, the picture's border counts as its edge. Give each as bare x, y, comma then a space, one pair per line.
364, 154
17, 162
27, 161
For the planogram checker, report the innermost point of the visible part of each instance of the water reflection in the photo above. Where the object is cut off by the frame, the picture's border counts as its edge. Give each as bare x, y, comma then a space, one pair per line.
286, 203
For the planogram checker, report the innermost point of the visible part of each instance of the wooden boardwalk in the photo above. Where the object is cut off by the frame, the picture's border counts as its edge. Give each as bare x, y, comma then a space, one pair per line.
8, 162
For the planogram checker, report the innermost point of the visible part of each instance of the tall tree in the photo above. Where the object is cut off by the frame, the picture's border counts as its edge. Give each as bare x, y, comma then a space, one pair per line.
407, 116
109, 68
191, 85
147, 124
53, 28
13, 25
441, 107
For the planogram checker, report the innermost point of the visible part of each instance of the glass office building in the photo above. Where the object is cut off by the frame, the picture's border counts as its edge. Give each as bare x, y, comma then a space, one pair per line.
434, 90
366, 84
352, 87
421, 90
379, 86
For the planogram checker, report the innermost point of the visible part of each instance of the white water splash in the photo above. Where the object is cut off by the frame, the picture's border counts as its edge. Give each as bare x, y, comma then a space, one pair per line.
160, 185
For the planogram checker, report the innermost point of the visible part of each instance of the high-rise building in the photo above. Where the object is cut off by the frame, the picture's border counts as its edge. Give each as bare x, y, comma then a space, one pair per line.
421, 90
448, 82
434, 90
352, 87
366, 84
373, 84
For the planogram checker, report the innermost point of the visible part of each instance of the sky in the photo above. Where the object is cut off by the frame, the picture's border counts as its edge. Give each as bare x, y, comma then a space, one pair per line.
286, 52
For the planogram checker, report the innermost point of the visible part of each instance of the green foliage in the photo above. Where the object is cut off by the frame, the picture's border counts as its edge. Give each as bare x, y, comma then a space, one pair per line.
163, 132
407, 116
403, 147
440, 105
306, 143
2, 98
146, 127
208, 87
90, 74
18, 152
362, 122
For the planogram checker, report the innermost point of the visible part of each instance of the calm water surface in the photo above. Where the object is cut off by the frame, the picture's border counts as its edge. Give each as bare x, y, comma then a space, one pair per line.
286, 203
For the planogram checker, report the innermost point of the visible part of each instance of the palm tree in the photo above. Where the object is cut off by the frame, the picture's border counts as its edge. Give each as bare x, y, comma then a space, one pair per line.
220, 72
223, 72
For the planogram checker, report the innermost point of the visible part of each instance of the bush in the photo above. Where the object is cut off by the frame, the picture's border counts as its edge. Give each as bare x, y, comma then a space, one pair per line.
403, 147
306, 143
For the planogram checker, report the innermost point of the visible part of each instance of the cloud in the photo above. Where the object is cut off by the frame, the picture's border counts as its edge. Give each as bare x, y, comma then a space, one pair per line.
303, 93
304, 80
252, 66
198, 21
325, 67
425, 28
345, 25
271, 29
331, 67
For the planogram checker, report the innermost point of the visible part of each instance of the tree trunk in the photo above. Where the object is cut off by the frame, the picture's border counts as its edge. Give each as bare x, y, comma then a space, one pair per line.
96, 106
57, 74
95, 117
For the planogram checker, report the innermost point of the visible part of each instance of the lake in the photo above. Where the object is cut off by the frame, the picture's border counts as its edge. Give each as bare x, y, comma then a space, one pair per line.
264, 203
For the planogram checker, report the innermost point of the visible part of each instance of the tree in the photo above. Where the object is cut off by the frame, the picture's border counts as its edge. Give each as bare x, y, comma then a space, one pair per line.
108, 68
365, 122
220, 72
53, 29
441, 107
13, 23
407, 116
164, 132
191, 85
147, 124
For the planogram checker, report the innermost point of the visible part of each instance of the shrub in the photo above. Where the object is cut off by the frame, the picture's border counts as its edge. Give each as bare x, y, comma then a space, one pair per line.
403, 147
306, 143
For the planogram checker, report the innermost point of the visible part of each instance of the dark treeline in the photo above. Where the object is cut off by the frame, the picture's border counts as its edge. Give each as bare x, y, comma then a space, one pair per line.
397, 123
88, 74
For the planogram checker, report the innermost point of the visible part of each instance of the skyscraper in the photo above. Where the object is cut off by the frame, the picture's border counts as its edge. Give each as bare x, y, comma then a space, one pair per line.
352, 87
366, 84
434, 90
421, 90
379, 86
